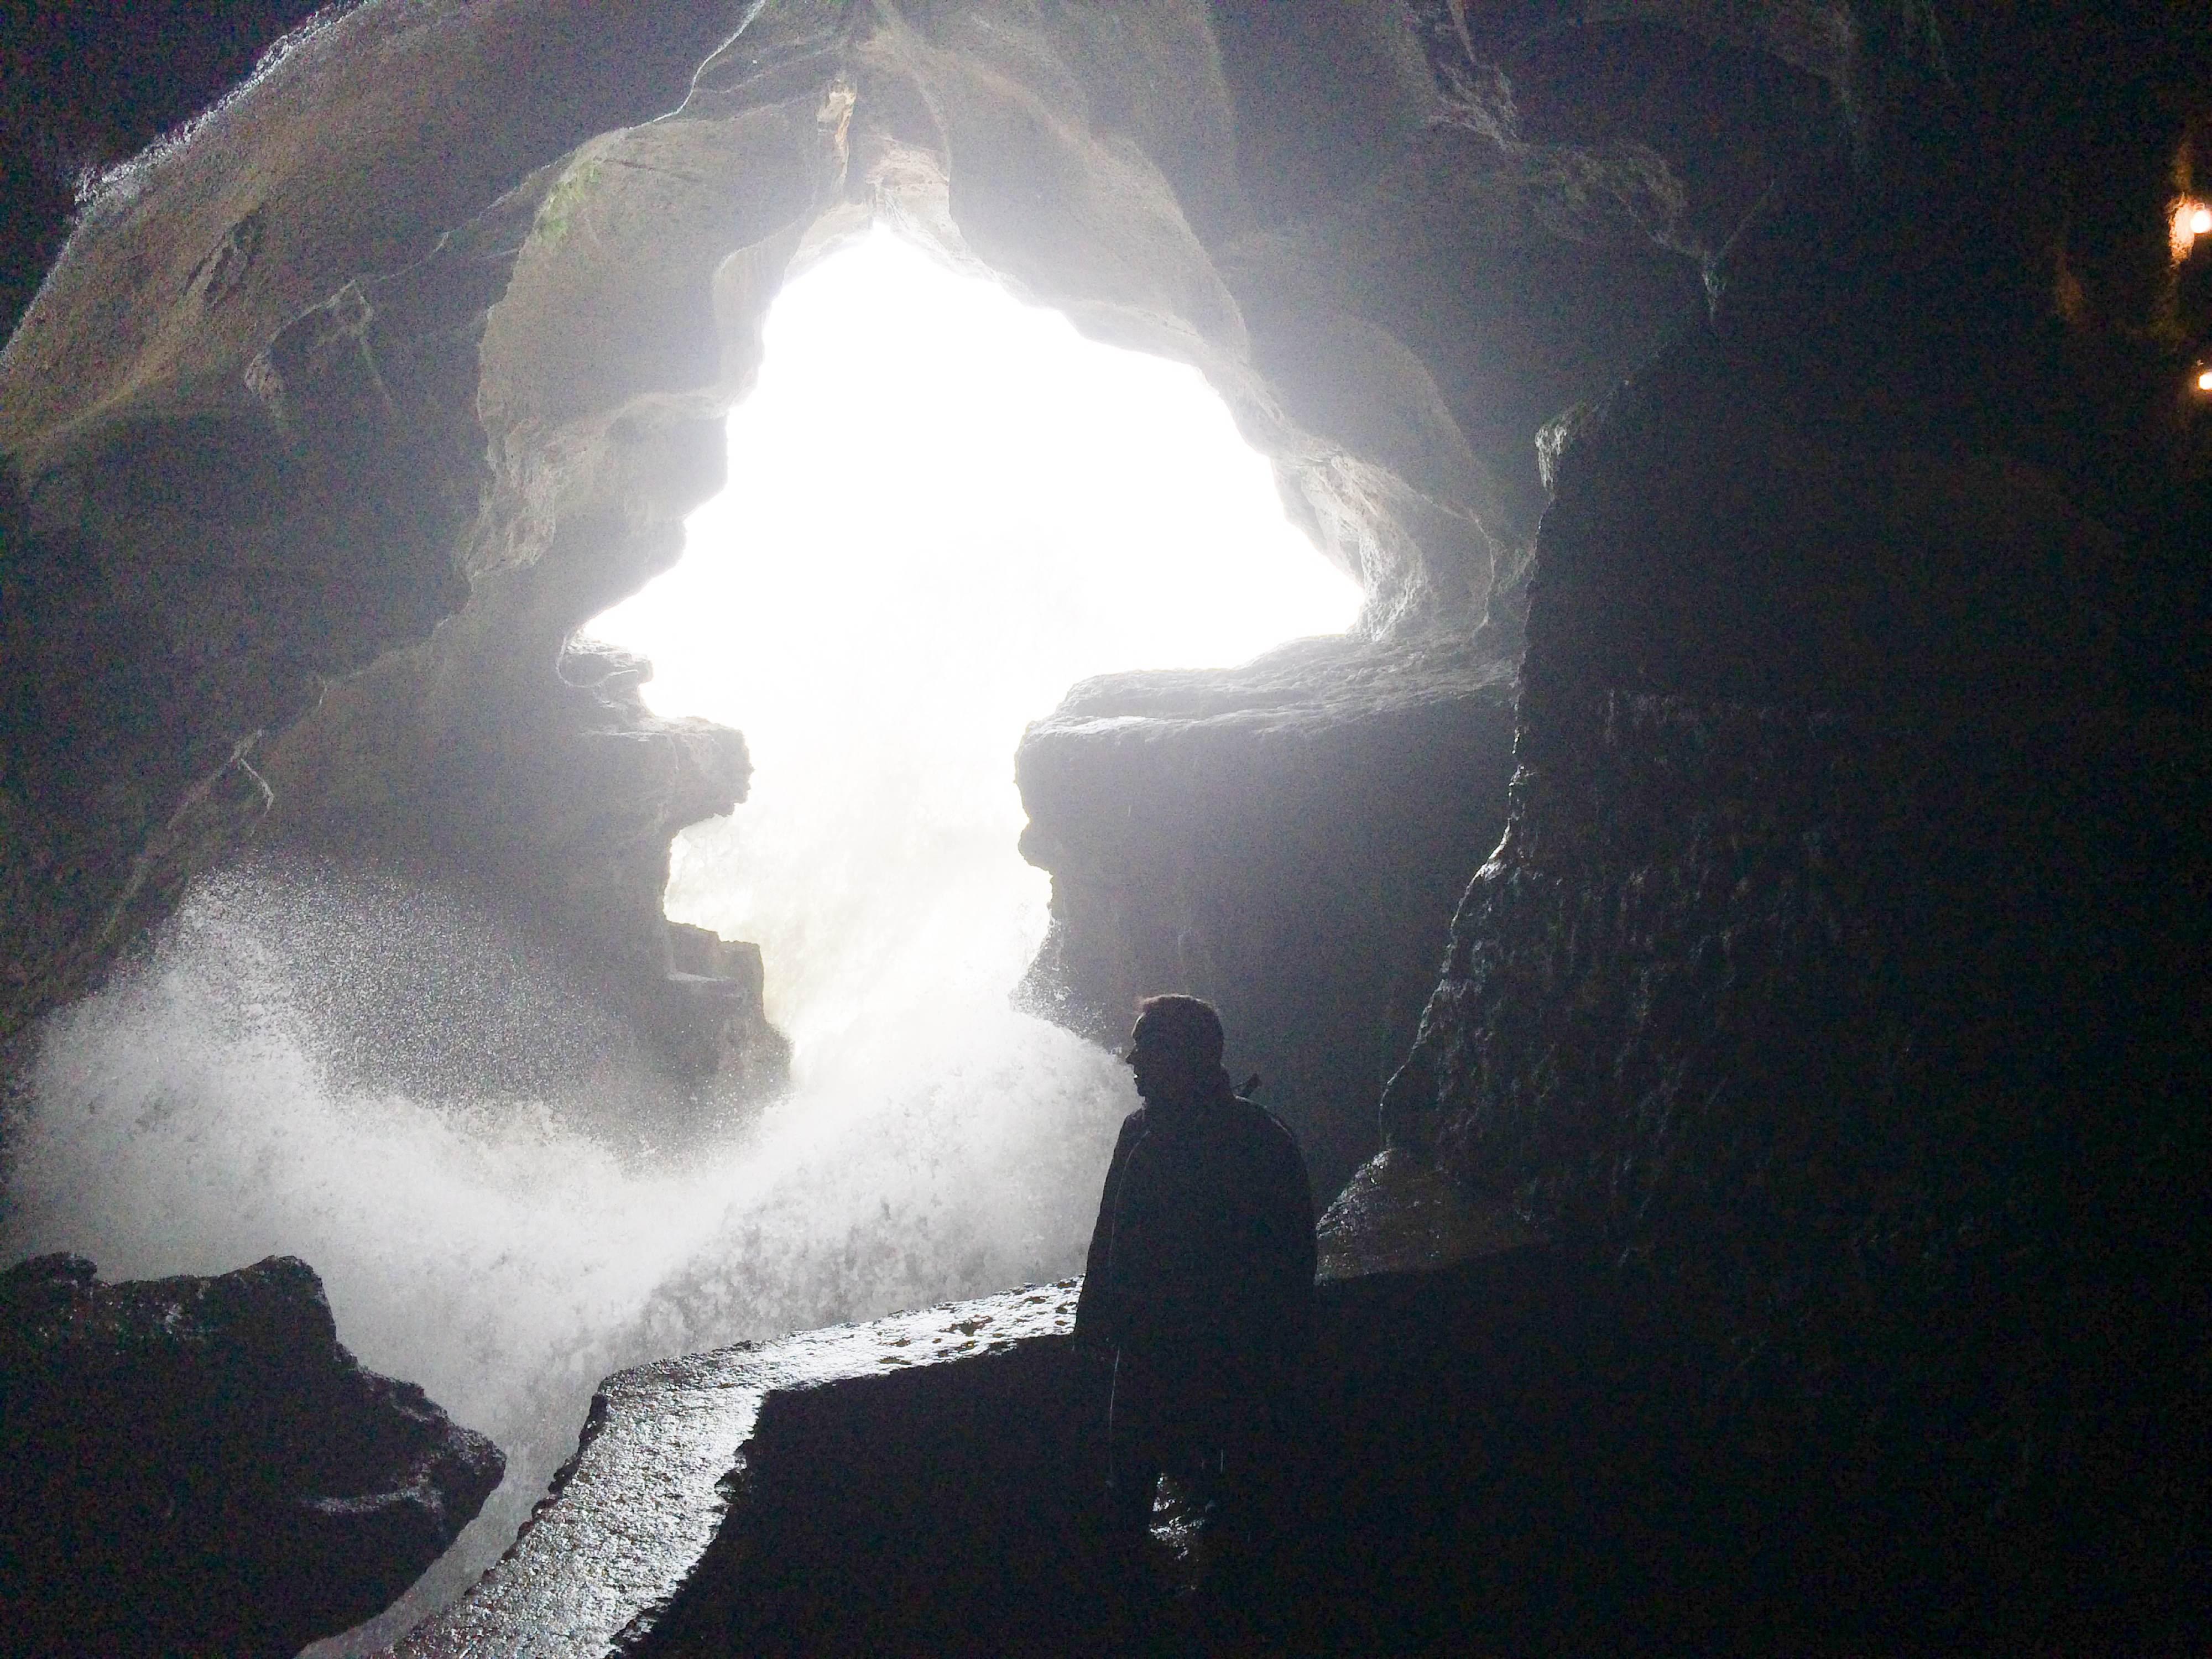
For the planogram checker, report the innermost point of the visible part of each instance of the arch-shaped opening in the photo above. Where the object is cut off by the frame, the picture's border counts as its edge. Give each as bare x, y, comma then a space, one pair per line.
944, 508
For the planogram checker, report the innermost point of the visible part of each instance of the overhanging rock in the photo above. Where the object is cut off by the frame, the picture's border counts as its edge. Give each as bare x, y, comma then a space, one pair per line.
1287, 838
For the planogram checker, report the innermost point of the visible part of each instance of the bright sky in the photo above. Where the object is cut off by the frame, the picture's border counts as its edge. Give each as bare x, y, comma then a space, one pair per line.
944, 507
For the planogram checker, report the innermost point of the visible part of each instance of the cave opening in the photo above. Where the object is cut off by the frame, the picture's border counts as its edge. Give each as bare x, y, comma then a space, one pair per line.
944, 507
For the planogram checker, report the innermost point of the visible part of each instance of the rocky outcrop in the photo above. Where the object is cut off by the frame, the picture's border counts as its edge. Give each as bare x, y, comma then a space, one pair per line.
1401, 1214
242, 417
684, 1462
417, 779
195, 1465
1287, 838
715, 989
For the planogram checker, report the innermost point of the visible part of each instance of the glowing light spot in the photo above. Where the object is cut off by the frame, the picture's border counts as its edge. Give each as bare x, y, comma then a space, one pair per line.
2204, 380
2188, 220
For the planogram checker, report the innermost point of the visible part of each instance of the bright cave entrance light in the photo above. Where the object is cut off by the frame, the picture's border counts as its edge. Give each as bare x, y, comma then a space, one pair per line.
944, 507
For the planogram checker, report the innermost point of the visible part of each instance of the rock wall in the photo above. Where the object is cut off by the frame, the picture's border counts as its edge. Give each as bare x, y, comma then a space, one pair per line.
1833, 980
194, 1466
241, 424
1875, 1057
1284, 840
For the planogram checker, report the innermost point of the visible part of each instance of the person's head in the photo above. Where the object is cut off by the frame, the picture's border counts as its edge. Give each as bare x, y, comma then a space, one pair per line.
1174, 1049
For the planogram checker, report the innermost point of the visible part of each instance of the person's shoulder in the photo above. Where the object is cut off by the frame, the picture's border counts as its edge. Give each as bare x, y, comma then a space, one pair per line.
1263, 1124
1258, 1117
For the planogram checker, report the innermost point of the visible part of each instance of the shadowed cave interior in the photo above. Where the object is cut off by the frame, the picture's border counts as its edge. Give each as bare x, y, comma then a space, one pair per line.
1726, 921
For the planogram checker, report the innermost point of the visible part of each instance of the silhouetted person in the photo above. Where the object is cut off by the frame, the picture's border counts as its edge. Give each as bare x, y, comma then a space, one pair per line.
1201, 1273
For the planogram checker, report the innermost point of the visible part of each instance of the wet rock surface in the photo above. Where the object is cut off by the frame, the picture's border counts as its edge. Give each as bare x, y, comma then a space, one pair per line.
1287, 839
1520, 1454
1401, 1213
680, 1461
1876, 1058
195, 1465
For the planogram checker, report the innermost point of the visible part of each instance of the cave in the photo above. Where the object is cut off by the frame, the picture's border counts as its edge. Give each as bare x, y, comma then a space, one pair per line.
1726, 921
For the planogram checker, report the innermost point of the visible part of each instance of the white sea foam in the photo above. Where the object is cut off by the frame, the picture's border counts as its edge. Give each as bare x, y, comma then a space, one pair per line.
500, 1251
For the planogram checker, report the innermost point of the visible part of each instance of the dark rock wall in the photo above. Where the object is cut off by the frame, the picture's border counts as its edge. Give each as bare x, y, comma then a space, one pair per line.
1841, 976
195, 1465
88, 86
1878, 1059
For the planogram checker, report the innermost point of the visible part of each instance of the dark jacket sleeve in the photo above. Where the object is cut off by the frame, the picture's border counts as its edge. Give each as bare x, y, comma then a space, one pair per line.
1095, 1315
